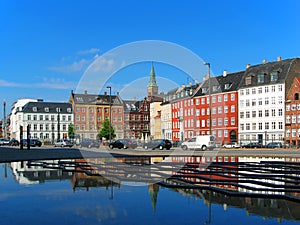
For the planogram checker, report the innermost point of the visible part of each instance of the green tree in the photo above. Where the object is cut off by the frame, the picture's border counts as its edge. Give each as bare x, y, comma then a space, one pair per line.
107, 129
71, 131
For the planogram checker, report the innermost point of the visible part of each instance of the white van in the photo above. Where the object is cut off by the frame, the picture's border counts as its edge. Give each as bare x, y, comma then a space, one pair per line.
203, 142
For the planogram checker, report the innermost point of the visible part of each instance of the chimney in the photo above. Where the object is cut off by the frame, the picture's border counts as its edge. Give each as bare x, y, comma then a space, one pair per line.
224, 73
278, 58
85, 92
264, 61
247, 66
105, 93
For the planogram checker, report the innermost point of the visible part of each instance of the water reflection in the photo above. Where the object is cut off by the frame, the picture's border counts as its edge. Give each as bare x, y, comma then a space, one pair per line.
264, 186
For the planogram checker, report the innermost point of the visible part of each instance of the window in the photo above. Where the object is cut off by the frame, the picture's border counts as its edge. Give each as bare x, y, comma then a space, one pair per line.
259, 113
83, 109
247, 91
267, 125
280, 125
213, 99
34, 109
266, 101
253, 91
247, 126
46, 109
232, 120
273, 88
214, 110
274, 76
259, 90
226, 121
248, 80
260, 101
260, 126
253, 114
220, 110
219, 98
242, 115
288, 108
232, 108
266, 89
280, 99
253, 102
247, 102
41, 117
273, 125
232, 97
266, 113
242, 92
260, 78
46, 117
253, 126
288, 119
220, 121
225, 98
69, 110
28, 117
273, 101
77, 118
280, 87
273, 112
202, 101
247, 114
225, 109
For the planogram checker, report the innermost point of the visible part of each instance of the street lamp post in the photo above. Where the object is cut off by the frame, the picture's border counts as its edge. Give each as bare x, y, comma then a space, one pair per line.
209, 96
109, 87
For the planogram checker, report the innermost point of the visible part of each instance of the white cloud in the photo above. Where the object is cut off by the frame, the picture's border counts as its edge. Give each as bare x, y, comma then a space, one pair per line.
89, 51
4, 83
74, 67
103, 64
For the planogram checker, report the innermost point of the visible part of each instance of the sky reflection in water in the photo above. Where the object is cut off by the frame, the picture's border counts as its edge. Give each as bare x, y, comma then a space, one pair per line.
55, 200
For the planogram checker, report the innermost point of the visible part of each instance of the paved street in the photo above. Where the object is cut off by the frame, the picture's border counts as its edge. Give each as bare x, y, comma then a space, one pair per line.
8, 154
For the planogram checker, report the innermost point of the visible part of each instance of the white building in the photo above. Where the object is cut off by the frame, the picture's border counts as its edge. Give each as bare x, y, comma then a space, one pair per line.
47, 121
261, 105
14, 124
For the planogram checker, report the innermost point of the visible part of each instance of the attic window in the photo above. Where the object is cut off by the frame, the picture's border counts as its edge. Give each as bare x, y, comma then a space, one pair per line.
261, 78
34, 109
46, 109
227, 86
274, 75
69, 110
215, 87
248, 80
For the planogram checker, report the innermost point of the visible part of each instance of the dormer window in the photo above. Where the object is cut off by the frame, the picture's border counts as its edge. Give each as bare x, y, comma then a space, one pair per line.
58, 109
248, 80
215, 87
227, 86
261, 78
46, 109
69, 110
34, 109
274, 76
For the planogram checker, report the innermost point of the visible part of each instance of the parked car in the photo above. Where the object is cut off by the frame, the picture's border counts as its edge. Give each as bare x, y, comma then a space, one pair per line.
123, 143
63, 143
89, 143
231, 145
202, 142
158, 143
4, 141
14, 142
274, 145
252, 145
33, 142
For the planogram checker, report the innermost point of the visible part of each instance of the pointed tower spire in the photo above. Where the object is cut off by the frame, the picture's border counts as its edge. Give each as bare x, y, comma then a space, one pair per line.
152, 86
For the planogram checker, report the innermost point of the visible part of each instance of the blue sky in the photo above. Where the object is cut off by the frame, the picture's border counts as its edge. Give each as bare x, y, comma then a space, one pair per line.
46, 46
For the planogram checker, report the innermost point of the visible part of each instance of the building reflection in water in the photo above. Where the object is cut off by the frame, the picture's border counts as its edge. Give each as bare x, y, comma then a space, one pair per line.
268, 187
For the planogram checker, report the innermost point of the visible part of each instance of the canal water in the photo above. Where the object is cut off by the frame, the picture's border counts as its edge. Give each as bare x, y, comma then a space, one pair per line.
229, 190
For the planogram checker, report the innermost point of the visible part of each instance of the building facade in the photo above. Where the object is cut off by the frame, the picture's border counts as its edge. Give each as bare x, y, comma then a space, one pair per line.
292, 115
262, 95
91, 110
48, 121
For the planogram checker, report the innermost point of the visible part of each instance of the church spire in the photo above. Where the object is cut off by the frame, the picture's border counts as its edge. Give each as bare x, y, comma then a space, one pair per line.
152, 86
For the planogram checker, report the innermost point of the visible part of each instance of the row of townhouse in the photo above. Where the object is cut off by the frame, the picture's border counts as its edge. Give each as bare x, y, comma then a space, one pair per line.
260, 104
